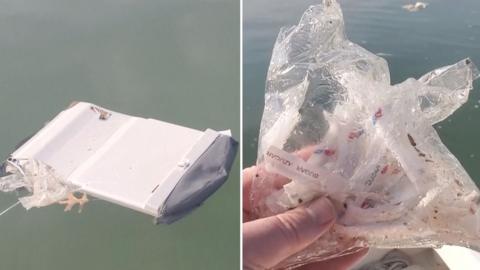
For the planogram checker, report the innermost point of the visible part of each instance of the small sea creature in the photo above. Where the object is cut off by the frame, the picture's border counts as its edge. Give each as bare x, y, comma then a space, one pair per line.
329, 152
378, 114
104, 115
367, 203
72, 200
414, 144
396, 171
411, 140
384, 170
355, 134
415, 7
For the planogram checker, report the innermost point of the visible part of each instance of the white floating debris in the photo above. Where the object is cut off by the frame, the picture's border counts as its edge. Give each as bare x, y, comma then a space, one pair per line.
415, 7
381, 54
154, 167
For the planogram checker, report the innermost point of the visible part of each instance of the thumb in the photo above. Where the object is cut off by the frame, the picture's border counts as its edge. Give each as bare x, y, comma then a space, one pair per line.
268, 241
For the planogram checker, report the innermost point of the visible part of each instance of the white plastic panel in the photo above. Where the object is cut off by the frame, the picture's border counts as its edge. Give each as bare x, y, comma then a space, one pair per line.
161, 194
71, 138
122, 159
135, 160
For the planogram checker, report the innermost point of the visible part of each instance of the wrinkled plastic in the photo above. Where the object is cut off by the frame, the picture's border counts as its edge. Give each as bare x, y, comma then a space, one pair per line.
39, 180
334, 125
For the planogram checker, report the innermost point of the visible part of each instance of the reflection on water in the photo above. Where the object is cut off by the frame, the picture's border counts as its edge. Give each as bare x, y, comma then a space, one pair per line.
170, 60
413, 43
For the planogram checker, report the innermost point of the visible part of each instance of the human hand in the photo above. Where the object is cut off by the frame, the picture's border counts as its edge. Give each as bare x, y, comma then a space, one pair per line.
268, 241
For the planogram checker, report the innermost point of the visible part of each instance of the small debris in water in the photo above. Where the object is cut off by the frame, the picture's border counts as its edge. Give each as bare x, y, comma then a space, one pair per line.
72, 200
415, 7
9, 208
381, 54
476, 106
103, 114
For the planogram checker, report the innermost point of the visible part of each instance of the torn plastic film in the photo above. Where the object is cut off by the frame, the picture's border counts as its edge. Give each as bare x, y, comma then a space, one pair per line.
371, 146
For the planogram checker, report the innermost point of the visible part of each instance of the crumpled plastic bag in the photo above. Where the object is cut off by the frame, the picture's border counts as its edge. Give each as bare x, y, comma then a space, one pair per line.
334, 125
38, 180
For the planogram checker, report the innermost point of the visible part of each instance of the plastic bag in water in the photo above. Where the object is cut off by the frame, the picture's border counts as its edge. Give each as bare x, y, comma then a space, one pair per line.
334, 125
43, 185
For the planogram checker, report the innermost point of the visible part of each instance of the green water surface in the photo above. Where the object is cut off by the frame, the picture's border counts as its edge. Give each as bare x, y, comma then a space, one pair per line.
177, 61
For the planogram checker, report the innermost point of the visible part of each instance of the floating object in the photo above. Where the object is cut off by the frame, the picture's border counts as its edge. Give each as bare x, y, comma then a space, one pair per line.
384, 54
154, 167
73, 200
415, 7
321, 89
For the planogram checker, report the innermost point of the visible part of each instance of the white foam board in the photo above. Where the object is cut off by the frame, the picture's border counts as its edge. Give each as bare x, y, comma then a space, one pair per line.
120, 158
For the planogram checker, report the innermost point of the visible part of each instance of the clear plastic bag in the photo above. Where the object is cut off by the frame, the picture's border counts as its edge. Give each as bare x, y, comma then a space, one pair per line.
334, 125
41, 183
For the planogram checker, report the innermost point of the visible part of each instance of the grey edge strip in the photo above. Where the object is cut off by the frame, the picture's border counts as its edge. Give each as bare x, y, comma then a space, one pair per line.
201, 180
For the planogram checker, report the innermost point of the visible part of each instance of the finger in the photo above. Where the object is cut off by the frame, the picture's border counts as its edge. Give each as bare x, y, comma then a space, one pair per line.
247, 175
268, 241
247, 178
250, 172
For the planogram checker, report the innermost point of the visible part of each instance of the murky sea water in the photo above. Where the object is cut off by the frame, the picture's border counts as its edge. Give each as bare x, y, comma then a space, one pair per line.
177, 61
412, 43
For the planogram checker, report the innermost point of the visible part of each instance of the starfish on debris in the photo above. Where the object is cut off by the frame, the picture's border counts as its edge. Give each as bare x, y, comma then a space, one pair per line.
72, 200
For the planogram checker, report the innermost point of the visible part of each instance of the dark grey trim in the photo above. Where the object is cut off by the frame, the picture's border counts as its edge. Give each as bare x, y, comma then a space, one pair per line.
3, 170
201, 180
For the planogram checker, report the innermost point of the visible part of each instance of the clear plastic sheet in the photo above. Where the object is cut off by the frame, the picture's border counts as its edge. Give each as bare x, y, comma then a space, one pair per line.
334, 125
36, 179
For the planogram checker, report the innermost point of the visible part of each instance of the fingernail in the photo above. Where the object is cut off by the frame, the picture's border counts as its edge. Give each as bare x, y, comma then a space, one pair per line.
322, 211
